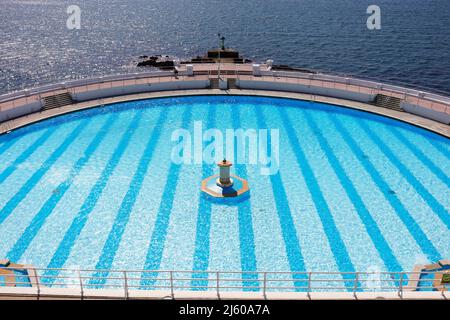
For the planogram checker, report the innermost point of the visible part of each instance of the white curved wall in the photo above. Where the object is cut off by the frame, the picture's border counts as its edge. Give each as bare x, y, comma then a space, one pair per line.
117, 91
427, 113
291, 87
20, 111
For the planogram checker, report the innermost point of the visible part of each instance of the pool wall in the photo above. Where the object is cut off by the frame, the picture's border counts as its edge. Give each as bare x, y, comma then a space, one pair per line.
164, 85
293, 87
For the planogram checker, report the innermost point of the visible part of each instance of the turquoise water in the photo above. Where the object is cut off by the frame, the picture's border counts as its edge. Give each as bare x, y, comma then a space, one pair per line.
97, 189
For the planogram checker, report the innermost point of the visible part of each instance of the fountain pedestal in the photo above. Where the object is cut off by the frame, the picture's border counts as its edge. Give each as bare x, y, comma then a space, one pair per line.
225, 184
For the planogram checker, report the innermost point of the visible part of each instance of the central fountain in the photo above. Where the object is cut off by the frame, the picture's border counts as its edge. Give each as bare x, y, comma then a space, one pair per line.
225, 184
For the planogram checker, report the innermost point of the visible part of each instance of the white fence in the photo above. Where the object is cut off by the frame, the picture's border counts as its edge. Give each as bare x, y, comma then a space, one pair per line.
425, 104
219, 282
327, 78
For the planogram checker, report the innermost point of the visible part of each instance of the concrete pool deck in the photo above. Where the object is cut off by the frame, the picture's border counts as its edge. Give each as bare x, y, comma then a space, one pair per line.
416, 120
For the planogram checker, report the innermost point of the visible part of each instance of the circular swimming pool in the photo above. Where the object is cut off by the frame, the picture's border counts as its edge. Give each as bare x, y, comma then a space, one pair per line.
331, 189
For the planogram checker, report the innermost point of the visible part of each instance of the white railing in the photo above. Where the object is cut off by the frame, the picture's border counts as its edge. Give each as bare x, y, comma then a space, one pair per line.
81, 82
287, 74
413, 96
219, 282
376, 86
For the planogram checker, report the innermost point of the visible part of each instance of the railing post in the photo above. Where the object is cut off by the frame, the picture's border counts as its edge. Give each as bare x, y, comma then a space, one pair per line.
81, 284
125, 284
400, 286
171, 285
308, 293
355, 287
443, 295
37, 284
265, 285
217, 285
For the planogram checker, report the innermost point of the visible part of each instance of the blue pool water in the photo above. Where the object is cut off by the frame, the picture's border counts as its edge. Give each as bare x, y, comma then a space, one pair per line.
97, 189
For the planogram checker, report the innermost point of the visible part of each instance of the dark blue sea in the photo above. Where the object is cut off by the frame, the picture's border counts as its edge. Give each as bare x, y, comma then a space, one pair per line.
412, 47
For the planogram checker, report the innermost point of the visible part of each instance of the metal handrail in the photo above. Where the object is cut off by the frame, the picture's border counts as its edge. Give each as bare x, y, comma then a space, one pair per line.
220, 281
406, 92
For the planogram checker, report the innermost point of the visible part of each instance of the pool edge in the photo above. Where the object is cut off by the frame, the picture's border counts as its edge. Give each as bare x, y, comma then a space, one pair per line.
118, 294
